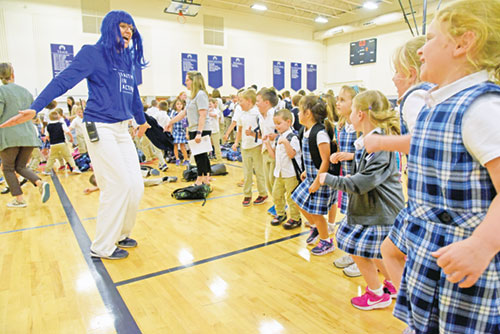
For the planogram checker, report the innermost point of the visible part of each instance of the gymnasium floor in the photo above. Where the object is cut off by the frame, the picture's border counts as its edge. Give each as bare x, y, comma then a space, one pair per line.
217, 268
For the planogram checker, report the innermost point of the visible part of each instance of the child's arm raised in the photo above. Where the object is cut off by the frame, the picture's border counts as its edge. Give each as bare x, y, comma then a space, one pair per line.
290, 151
375, 143
375, 173
465, 261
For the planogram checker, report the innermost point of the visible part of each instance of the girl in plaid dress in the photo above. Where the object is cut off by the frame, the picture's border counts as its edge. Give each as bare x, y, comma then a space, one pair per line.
451, 278
346, 137
375, 199
179, 133
315, 200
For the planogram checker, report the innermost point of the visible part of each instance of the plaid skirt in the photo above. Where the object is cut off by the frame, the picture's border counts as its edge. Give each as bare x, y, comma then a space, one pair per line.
317, 203
344, 202
361, 240
179, 136
398, 231
428, 302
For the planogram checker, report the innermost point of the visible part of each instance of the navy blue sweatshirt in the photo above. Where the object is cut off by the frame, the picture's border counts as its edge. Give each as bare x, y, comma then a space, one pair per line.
113, 93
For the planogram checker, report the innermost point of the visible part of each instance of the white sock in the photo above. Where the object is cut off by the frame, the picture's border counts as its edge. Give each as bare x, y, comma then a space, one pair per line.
379, 292
327, 240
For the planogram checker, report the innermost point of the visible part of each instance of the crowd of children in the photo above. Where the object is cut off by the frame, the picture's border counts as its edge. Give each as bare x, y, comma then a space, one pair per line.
437, 252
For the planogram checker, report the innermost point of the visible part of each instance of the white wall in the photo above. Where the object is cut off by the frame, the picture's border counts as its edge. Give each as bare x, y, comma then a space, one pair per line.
31, 26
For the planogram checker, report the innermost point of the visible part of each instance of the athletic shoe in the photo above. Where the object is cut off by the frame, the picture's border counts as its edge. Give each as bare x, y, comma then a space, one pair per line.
278, 220
154, 172
323, 247
185, 163
177, 162
260, 200
17, 204
246, 201
313, 236
352, 271
343, 262
2, 180
291, 224
369, 301
169, 179
390, 289
47, 173
44, 191
5, 190
117, 254
163, 167
127, 243
408, 330
272, 211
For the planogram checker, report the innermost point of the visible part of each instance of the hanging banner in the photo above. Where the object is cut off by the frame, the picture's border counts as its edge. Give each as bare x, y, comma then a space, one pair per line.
296, 76
62, 56
189, 62
279, 74
237, 72
312, 77
215, 71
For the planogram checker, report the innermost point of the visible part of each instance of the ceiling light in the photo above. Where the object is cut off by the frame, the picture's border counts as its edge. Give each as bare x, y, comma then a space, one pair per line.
259, 7
321, 19
370, 5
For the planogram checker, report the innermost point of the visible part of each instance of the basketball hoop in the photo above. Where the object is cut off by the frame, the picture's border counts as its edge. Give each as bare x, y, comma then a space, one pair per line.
181, 18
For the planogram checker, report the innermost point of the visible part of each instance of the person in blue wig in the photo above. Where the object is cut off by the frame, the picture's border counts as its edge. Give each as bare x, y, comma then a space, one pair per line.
109, 67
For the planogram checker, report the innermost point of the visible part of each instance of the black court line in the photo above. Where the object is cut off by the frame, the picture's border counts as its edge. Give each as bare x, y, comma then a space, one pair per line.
210, 259
123, 320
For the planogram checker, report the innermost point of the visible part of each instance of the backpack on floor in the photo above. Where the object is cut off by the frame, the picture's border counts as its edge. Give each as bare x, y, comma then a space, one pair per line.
190, 173
192, 192
218, 169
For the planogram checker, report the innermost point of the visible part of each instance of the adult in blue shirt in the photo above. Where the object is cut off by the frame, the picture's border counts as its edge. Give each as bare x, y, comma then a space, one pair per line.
114, 99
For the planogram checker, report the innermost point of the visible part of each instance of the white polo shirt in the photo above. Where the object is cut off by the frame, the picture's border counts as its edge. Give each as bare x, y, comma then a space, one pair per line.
284, 164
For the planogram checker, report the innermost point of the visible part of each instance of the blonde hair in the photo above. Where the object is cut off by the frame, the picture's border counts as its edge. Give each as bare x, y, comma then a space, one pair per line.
198, 83
54, 115
379, 110
285, 114
249, 94
330, 107
6, 71
319, 110
352, 91
405, 57
482, 17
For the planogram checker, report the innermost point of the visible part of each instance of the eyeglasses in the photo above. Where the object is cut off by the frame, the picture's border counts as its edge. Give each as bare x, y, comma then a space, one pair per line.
125, 26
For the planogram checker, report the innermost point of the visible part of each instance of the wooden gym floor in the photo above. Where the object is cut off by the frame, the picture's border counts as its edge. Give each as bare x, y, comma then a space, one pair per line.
218, 268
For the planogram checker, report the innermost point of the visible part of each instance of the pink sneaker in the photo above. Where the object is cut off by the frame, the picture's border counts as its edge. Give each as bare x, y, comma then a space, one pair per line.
390, 289
370, 301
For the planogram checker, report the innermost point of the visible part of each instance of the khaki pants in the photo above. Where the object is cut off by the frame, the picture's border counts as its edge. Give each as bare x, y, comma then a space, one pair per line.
80, 142
216, 143
36, 157
252, 160
269, 164
284, 186
59, 151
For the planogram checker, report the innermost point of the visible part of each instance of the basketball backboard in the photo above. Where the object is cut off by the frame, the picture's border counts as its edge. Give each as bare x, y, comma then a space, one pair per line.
186, 7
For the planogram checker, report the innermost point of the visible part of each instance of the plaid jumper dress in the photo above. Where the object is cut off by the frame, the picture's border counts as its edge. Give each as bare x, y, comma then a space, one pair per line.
449, 194
179, 131
396, 234
321, 201
346, 144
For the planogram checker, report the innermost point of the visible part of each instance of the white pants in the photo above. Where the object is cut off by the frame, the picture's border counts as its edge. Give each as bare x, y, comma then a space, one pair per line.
118, 175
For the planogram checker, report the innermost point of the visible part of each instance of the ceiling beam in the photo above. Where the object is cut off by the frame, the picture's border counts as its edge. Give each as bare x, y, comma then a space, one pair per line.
328, 6
300, 9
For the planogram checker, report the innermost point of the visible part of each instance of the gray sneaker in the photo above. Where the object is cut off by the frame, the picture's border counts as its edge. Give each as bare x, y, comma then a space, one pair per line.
343, 262
352, 271
117, 254
45, 191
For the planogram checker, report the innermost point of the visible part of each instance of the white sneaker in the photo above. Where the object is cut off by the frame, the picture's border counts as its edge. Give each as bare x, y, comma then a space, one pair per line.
46, 173
76, 171
343, 262
352, 271
17, 204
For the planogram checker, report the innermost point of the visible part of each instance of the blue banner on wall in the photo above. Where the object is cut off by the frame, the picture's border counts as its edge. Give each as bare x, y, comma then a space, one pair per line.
296, 76
62, 56
189, 62
237, 72
279, 74
312, 77
215, 71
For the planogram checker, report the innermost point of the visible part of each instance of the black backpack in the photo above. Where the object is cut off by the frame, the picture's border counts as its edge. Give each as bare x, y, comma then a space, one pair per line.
313, 148
192, 192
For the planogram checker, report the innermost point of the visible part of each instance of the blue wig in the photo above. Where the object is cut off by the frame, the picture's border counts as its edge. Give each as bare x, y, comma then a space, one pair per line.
114, 45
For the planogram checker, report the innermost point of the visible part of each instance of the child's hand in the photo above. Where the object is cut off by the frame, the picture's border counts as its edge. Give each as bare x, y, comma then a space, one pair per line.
322, 178
225, 138
272, 136
168, 127
303, 176
337, 157
372, 142
249, 131
235, 147
282, 140
464, 261
314, 186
